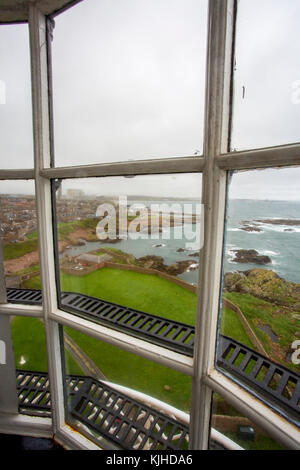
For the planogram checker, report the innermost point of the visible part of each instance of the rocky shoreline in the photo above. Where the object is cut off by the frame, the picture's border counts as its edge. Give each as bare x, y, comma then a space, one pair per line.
289, 222
254, 225
266, 285
250, 256
157, 262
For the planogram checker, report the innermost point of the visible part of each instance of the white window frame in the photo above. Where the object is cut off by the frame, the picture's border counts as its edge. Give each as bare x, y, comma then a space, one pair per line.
214, 164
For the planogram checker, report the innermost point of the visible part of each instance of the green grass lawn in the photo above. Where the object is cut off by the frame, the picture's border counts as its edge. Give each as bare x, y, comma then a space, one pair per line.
260, 443
282, 323
145, 292
232, 326
118, 366
15, 250
29, 346
133, 371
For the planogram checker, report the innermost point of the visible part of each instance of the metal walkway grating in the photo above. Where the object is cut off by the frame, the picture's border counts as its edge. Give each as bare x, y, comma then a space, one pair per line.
24, 296
171, 334
131, 424
33, 392
128, 422
277, 382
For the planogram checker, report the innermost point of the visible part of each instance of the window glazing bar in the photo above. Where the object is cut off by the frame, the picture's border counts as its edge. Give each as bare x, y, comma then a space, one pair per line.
72, 440
277, 427
284, 155
26, 425
21, 310
141, 167
42, 159
26, 174
2, 277
221, 19
142, 348
8, 386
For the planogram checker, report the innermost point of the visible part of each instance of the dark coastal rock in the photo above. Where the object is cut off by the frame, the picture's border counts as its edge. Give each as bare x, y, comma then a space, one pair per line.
293, 222
251, 228
250, 256
157, 262
180, 250
181, 267
111, 240
194, 254
80, 243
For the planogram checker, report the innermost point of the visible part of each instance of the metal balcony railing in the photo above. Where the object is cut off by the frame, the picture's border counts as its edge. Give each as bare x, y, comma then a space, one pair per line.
276, 383
106, 411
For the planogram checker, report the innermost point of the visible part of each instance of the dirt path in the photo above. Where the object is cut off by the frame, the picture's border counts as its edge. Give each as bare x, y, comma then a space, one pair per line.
29, 259
82, 359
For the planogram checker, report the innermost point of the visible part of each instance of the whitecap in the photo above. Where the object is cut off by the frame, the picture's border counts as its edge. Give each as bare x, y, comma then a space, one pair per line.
269, 253
194, 265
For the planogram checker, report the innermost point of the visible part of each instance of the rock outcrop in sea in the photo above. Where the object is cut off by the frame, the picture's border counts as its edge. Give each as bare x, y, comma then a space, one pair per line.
250, 256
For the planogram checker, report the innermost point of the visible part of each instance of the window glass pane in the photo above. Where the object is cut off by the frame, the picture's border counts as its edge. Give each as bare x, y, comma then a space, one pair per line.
112, 399
259, 342
29, 344
266, 77
18, 226
133, 243
29, 347
15, 98
128, 80
227, 422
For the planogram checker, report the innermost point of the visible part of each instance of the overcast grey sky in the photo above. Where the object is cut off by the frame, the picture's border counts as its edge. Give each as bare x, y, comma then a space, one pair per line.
128, 80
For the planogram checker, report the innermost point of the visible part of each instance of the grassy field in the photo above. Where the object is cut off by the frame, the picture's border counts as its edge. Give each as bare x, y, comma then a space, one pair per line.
145, 292
15, 250
118, 366
231, 326
65, 229
137, 373
282, 322
29, 345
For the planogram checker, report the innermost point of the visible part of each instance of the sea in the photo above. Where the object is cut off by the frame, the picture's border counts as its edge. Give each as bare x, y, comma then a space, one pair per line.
281, 243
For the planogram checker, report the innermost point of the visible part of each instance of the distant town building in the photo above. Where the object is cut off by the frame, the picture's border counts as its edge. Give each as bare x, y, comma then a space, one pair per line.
90, 258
